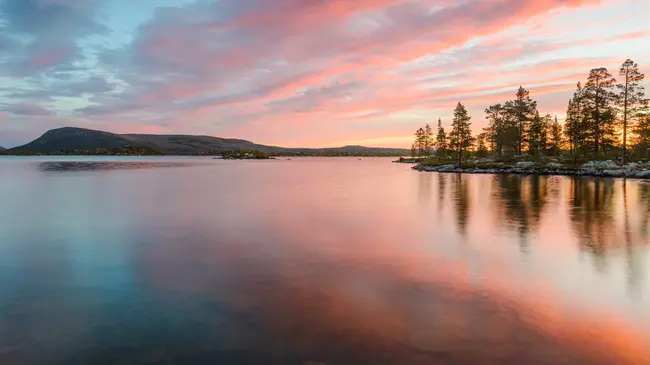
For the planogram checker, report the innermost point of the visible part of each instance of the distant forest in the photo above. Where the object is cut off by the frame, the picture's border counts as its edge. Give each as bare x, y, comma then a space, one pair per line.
606, 118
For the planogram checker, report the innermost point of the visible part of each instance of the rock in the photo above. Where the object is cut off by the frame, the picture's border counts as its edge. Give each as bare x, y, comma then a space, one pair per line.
614, 173
525, 164
555, 165
643, 174
631, 166
609, 164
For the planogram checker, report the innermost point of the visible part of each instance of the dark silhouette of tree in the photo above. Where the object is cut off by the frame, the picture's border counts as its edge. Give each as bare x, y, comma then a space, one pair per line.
428, 142
523, 110
641, 139
599, 98
481, 147
575, 125
423, 142
631, 97
555, 137
537, 134
419, 141
441, 141
460, 136
502, 131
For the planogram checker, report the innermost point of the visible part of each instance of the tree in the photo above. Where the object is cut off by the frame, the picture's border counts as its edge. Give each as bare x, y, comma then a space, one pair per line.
556, 137
481, 148
599, 97
522, 109
631, 97
441, 140
641, 139
414, 150
419, 141
575, 125
461, 135
537, 134
428, 140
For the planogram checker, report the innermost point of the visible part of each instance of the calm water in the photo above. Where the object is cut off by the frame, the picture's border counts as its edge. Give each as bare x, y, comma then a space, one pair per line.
317, 261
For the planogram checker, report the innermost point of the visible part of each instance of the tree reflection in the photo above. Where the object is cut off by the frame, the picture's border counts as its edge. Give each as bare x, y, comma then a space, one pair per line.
462, 202
591, 215
521, 201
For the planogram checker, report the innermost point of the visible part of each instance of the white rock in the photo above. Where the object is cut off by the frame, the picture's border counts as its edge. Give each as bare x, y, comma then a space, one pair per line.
600, 164
555, 165
525, 164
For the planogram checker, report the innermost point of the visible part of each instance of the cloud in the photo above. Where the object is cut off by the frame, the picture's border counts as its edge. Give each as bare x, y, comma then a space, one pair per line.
258, 68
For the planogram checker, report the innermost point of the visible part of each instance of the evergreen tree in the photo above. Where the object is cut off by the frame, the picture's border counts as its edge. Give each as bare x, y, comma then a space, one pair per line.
575, 125
428, 141
414, 150
494, 131
556, 137
641, 139
522, 109
599, 98
631, 97
536, 135
480, 144
441, 140
610, 135
461, 135
419, 141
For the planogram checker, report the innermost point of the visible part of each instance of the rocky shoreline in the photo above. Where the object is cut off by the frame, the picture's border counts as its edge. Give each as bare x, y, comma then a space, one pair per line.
592, 168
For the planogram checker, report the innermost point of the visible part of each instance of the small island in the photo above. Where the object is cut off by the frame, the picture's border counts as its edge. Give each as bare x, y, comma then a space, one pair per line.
246, 155
606, 132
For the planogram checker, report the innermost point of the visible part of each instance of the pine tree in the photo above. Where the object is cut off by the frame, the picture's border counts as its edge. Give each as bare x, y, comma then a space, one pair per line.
556, 137
536, 138
481, 148
461, 135
419, 141
641, 139
494, 131
441, 140
631, 97
523, 110
428, 140
575, 125
599, 98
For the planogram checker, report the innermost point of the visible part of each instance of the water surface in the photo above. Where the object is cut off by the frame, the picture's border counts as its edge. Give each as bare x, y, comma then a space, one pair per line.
317, 261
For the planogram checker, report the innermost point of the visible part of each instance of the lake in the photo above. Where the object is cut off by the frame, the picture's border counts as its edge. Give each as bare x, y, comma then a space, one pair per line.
317, 261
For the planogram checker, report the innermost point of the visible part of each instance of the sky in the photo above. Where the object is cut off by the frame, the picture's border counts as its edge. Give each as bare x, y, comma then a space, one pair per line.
298, 73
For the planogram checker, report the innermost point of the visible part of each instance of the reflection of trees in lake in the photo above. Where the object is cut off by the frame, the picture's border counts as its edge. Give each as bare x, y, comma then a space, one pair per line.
521, 200
461, 201
594, 213
424, 188
442, 184
591, 213
644, 208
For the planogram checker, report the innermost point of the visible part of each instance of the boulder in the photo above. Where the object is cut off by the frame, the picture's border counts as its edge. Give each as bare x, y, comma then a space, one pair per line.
609, 164
525, 164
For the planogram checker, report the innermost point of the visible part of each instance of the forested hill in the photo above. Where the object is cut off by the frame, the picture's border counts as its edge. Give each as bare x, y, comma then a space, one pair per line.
70, 140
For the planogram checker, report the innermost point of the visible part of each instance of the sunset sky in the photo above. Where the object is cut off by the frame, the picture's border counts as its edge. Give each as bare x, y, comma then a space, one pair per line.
303, 73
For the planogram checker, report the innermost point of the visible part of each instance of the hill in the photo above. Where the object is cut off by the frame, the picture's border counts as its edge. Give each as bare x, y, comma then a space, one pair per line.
71, 140
2, 148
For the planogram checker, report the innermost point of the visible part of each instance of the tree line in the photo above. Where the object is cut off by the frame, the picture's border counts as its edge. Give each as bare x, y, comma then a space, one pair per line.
605, 118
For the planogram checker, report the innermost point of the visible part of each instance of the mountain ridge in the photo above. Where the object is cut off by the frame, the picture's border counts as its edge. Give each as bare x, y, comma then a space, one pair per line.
71, 139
